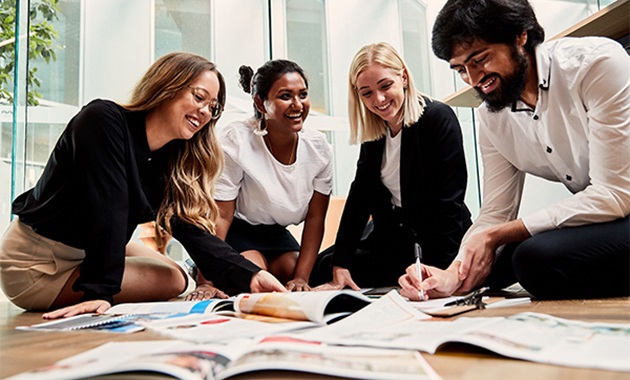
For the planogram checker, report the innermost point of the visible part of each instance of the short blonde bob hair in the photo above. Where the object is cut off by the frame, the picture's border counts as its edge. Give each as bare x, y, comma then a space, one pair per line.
365, 125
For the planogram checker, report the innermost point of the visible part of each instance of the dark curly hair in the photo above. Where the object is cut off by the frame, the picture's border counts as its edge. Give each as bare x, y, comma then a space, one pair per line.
494, 21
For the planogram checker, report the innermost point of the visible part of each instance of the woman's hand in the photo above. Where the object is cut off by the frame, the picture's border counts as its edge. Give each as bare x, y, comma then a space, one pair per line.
264, 281
95, 306
341, 279
205, 291
298, 285
437, 283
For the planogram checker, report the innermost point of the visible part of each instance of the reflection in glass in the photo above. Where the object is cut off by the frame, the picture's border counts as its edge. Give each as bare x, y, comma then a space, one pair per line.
306, 45
416, 48
182, 25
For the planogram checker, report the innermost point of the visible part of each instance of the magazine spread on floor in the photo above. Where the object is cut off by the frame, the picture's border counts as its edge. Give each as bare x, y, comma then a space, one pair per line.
391, 322
125, 317
261, 314
318, 307
189, 361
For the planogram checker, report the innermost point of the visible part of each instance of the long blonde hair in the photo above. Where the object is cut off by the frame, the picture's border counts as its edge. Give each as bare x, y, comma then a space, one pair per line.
193, 169
365, 125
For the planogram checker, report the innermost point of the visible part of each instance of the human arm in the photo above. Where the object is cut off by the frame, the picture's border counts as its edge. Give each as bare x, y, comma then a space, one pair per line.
497, 222
312, 236
433, 153
341, 279
100, 143
354, 218
94, 306
264, 281
356, 211
215, 259
598, 148
478, 258
479, 253
437, 283
226, 215
205, 288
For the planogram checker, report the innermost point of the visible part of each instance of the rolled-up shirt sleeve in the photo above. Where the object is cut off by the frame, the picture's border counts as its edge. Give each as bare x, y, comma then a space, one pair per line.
605, 91
502, 191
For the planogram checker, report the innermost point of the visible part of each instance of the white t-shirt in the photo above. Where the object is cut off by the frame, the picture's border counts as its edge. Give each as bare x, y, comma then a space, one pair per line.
267, 191
390, 168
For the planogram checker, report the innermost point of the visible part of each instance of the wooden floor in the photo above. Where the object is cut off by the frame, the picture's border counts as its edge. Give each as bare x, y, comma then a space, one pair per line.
24, 350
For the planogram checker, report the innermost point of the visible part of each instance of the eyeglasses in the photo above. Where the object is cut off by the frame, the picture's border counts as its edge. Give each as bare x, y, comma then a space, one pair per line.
201, 98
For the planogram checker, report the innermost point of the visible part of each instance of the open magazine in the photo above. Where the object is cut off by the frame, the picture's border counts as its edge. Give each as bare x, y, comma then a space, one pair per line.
321, 307
318, 307
189, 361
124, 318
261, 314
391, 322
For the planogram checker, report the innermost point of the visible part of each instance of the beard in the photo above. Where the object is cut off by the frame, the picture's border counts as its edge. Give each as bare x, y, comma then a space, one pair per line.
511, 86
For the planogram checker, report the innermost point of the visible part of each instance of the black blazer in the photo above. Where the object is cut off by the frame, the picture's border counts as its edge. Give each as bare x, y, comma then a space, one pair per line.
432, 184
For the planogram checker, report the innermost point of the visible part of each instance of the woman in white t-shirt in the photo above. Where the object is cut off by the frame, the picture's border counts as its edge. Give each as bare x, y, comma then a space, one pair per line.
276, 173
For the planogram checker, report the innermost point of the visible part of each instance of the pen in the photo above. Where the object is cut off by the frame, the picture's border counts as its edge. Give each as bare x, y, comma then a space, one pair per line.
418, 252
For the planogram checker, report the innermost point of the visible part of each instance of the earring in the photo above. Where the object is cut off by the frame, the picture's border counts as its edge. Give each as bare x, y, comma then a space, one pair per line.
262, 127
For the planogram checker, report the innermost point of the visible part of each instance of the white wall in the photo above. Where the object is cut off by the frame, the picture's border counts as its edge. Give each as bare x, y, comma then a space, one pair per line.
117, 47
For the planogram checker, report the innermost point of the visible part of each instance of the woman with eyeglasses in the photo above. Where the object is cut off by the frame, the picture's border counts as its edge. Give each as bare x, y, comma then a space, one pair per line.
277, 173
115, 166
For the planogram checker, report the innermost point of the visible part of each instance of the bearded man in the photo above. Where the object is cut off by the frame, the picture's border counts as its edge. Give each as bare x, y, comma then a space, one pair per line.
559, 110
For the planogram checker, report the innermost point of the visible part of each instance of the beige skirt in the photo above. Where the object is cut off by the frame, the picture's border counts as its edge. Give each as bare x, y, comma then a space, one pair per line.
33, 268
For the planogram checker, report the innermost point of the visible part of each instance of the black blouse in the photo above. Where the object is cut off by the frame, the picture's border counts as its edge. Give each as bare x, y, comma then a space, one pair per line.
433, 179
100, 182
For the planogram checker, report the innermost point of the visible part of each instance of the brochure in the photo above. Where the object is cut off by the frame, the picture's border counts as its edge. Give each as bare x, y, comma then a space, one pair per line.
124, 318
391, 322
189, 361
318, 307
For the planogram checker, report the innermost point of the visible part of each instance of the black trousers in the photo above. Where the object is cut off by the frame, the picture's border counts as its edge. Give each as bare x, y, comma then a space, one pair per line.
379, 260
589, 261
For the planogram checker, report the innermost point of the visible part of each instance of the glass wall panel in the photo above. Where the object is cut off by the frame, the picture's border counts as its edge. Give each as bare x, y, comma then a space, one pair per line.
102, 47
241, 37
59, 76
416, 49
306, 45
13, 104
57, 85
183, 25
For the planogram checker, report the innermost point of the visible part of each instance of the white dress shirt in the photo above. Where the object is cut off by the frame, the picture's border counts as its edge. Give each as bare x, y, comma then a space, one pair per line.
267, 191
578, 134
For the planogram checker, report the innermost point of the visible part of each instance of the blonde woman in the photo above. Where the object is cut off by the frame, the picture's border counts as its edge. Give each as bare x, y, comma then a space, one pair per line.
410, 178
116, 166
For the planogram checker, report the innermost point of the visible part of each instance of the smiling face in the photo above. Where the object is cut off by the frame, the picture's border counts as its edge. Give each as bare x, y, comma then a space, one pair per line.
498, 72
382, 91
287, 104
191, 108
